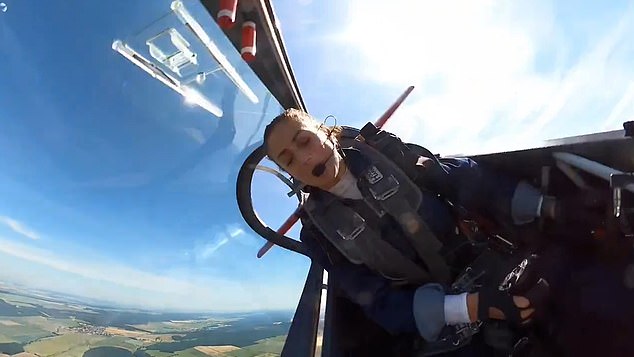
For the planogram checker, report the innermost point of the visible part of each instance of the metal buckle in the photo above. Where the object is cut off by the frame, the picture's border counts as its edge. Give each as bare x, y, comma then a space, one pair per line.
465, 331
373, 175
621, 212
617, 183
374, 206
514, 276
391, 188
358, 226
466, 281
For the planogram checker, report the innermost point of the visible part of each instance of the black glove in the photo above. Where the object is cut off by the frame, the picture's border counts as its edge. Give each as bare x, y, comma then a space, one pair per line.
521, 281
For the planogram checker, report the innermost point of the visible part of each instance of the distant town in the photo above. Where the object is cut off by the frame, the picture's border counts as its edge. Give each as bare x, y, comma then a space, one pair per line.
84, 329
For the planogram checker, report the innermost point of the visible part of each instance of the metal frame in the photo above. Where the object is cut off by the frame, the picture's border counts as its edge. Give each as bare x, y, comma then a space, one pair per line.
306, 319
614, 149
149, 67
245, 204
271, 64
188, 20
591, 167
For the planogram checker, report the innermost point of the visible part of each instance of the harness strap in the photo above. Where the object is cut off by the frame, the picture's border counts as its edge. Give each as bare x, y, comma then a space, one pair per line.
358, 242
425, 243
396, 194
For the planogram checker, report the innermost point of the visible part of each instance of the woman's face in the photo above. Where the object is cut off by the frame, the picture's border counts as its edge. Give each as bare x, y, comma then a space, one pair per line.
298, 147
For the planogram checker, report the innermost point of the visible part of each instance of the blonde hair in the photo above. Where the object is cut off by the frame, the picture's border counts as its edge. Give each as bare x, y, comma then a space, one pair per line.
299, 116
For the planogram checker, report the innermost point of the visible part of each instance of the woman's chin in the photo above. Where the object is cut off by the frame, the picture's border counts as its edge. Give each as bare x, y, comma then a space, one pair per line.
330, 176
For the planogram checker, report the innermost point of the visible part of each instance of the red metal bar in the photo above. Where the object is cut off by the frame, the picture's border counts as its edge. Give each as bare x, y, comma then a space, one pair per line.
388, 113
285, 227
290, 221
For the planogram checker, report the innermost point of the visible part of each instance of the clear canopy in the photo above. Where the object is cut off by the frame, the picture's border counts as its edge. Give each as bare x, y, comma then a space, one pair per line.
123, 125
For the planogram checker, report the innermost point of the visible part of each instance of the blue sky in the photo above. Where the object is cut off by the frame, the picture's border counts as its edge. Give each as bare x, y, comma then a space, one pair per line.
490, 75
114, 188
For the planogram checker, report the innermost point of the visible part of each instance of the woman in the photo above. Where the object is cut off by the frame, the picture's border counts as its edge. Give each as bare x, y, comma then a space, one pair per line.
328, 166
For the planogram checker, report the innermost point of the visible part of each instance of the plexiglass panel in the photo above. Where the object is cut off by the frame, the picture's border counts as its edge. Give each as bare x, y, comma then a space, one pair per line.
122, 128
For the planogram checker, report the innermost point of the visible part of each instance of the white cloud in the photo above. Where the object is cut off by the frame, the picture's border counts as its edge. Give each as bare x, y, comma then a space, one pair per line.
492, 74
179, 289
19, 228
623, 110
210, 248
204, 251
93, 270
196, 134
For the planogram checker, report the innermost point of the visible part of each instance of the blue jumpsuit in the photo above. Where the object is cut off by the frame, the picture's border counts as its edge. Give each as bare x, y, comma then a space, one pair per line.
420, 309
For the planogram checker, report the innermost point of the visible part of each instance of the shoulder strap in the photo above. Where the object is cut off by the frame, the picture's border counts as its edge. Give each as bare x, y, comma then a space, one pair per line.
358, 242
395, 193
415, 160
348, 132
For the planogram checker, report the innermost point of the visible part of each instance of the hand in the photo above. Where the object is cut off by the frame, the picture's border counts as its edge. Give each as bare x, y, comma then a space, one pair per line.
521, 302
492, 303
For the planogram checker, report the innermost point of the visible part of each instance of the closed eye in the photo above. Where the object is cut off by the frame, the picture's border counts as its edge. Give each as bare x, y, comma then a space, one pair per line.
300, 142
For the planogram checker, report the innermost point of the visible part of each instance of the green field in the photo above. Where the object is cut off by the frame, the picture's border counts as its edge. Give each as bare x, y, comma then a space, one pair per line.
6, 339
155, 353
77, 351
120, 341
25, 301
27, 323
181, 326
22, 333
77, 344
63, 345
190, 352
28, 329
270, 347
47, 324
267, 347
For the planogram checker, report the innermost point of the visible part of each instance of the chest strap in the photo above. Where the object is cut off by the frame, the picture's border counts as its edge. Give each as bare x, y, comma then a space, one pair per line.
358, 241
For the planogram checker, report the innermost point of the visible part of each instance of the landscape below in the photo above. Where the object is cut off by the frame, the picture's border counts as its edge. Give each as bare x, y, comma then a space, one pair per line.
46, 325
